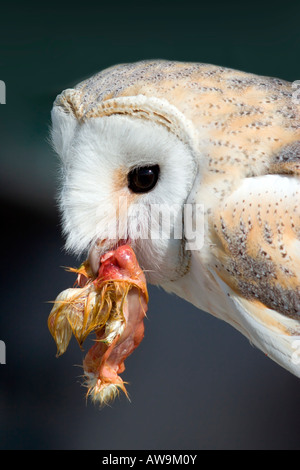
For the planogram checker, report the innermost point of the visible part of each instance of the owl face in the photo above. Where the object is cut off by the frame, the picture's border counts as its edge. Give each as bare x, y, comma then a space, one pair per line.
126, 180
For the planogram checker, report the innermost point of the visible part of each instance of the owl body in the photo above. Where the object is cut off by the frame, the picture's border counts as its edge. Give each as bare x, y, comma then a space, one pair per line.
223, 140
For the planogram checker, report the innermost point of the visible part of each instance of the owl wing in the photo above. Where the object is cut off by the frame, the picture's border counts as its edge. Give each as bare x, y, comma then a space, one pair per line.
256, 261
287, 161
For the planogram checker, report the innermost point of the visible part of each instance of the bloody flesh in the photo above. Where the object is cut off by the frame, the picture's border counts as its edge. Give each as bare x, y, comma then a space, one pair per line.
113, 305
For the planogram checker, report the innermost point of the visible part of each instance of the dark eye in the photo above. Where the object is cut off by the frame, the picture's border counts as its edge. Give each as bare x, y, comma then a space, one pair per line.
143, 179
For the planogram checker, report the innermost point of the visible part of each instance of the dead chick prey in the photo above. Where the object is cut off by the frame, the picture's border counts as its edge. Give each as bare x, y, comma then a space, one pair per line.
113, 305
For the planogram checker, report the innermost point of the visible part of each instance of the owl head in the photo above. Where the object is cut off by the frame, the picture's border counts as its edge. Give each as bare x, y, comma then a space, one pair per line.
128, 167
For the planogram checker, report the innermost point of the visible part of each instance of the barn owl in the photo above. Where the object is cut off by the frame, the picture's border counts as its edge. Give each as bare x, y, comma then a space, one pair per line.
172, 134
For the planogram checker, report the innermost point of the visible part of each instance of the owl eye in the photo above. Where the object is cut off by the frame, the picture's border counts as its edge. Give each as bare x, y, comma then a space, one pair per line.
143, 179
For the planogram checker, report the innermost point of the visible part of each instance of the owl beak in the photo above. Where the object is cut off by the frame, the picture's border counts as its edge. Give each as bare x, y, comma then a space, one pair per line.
95, 254
99, 248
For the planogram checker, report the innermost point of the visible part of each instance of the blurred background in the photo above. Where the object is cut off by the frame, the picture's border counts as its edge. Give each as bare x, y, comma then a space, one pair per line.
194, 382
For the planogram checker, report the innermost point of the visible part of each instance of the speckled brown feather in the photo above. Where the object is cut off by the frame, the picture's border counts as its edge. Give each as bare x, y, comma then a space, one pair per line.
257, 247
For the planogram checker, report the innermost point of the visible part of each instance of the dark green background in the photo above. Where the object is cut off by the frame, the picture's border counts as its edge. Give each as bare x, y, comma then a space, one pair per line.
195, 383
